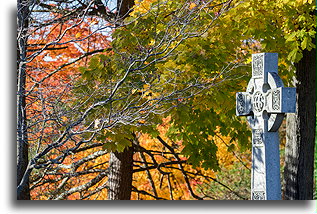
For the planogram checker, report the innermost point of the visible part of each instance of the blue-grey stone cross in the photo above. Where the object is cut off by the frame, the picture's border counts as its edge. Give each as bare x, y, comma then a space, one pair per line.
264, 103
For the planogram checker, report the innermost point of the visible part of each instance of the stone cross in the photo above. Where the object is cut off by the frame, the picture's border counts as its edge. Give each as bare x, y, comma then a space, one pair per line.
264, 103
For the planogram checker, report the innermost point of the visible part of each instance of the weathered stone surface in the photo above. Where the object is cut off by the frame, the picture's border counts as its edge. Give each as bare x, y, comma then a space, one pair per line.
264, 103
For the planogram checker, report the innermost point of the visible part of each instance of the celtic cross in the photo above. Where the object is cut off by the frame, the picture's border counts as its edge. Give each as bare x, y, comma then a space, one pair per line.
264, 103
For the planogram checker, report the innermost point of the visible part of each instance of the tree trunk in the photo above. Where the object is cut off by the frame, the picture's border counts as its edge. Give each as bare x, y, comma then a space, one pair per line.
22, 140
121, 163
300, 133
124, 7
120, 175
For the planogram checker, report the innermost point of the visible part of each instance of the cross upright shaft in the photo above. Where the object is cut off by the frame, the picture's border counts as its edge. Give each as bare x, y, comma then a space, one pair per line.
264, 103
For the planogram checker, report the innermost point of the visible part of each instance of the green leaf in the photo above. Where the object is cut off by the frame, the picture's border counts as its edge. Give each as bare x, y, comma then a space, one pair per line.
304, 43
291, 37
110, 146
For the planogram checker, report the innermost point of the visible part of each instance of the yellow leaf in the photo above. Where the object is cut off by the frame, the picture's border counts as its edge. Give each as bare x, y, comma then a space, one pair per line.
77, 35
142, 121
146, 86
249, 60
192, 5
64, 119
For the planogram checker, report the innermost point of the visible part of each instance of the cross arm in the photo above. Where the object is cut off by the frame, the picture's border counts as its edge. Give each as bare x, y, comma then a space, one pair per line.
243, 104
281, 100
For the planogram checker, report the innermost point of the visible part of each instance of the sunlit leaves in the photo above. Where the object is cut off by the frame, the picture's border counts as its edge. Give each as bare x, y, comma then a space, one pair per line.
286, 27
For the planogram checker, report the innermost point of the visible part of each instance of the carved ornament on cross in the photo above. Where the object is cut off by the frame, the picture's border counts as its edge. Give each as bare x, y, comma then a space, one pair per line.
265, 100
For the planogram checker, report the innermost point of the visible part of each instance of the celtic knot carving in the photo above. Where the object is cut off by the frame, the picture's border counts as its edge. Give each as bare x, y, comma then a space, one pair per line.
257, 65
276, 100
240, 103
258, 101
258, 195
257, 137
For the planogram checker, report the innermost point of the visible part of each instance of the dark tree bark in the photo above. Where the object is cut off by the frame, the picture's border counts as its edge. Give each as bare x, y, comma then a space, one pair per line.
300, 140
23, 192
124, 7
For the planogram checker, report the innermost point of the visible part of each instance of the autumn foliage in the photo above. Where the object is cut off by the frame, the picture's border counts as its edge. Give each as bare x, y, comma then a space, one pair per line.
169, 181
64, 70
160, 78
